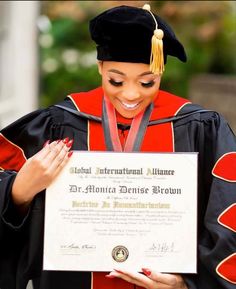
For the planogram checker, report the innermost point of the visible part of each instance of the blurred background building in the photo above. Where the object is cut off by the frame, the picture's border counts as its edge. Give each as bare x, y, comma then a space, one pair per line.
46, 52
19, 75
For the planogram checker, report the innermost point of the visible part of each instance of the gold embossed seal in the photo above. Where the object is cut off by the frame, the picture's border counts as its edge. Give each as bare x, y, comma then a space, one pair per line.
120, 253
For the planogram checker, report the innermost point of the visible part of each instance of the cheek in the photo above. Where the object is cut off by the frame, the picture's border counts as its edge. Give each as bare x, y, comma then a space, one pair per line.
150, 96
109, 91
152, 93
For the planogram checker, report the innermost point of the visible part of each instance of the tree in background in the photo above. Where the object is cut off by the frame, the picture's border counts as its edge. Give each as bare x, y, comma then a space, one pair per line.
68, 57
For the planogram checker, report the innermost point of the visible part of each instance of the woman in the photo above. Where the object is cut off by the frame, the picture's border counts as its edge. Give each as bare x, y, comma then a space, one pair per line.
36, 148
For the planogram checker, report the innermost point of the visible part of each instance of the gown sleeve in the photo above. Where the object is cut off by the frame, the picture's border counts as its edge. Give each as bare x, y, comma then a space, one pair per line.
18, 142
216, 207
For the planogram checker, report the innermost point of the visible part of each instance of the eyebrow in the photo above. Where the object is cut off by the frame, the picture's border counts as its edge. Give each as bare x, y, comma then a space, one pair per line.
121, 73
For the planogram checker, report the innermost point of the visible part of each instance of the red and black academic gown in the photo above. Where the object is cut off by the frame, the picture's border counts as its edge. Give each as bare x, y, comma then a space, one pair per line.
21, 238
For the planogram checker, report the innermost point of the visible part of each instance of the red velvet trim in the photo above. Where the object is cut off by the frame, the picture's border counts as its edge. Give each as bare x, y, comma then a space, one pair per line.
165, 104
89, 102
96, 137
225, 167
158, 138
12, 157
227, 268
228, 218
101, 282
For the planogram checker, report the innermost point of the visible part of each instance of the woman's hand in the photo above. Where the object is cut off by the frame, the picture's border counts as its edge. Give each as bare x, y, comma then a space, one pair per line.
40, 170
151, 279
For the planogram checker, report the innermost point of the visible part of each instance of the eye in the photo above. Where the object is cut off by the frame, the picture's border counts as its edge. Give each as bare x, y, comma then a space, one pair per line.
115, 83
148, 84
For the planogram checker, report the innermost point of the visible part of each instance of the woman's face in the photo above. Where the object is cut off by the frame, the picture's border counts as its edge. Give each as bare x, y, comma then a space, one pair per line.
131, 87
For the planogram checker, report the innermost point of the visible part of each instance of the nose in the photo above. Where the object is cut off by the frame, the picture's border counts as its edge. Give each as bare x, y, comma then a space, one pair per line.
130, 93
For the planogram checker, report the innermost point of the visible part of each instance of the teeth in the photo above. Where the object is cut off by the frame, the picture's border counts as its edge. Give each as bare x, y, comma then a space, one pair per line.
130, 105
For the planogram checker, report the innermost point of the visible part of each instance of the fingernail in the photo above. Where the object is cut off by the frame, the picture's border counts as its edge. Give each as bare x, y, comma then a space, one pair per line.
110, 276
70, 154
147, 272
65, 140
70, 143
47, 142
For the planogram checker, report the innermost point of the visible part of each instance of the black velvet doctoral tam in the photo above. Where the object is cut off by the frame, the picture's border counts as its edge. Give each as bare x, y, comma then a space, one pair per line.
124, 34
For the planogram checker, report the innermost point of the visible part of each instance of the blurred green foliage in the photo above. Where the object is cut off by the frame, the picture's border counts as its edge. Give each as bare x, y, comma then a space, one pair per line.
207, 29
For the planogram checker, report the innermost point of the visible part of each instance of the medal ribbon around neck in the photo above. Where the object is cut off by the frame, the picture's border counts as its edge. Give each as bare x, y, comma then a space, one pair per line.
136, 133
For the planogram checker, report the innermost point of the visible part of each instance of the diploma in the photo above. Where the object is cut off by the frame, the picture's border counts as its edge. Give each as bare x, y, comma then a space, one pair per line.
123, 210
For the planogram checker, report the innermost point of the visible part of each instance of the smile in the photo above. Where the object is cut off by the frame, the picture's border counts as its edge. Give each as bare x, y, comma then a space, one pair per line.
130, 106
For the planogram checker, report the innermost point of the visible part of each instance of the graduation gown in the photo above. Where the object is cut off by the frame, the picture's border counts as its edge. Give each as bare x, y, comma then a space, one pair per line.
206, 132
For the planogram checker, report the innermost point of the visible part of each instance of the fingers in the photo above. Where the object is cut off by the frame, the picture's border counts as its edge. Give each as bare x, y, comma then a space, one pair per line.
170, 280
49, 161
131, 277
58, 156
44, 152
40, 170
150, 279
58, 152
53, 150
62, 164
50, 151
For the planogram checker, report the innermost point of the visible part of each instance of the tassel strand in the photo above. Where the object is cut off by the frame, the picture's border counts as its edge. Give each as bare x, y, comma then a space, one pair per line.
157, 57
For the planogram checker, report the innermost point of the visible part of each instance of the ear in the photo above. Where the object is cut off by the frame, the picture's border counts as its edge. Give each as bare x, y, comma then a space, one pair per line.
99, 63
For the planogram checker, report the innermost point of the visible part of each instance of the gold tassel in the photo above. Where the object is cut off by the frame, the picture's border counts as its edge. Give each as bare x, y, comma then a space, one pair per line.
157, 57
